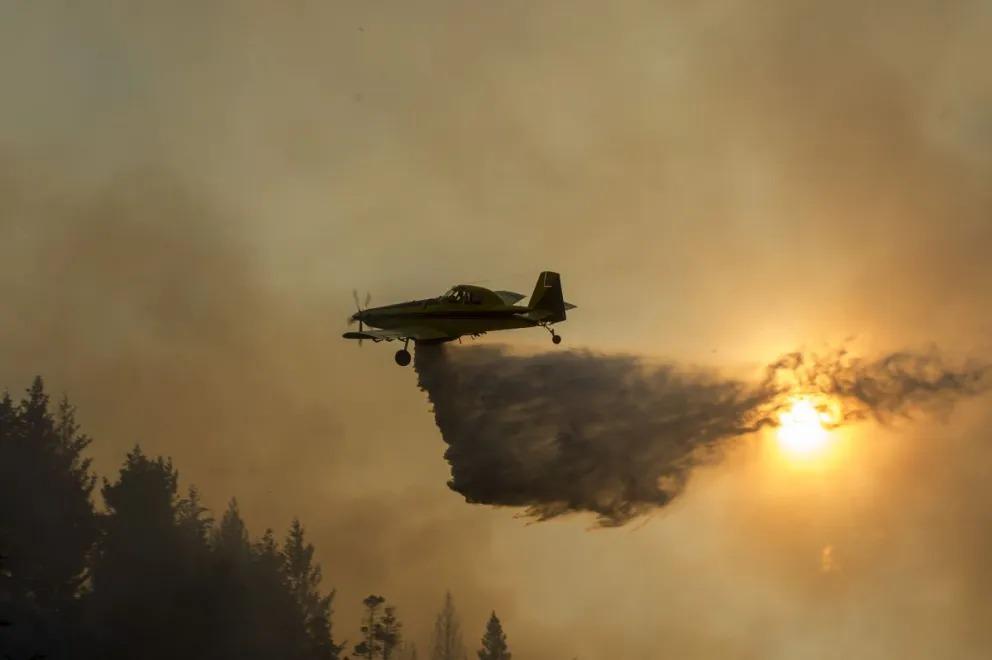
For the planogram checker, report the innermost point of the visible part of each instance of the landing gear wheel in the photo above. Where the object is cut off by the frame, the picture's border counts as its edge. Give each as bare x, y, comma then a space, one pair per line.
402, 357
556, 339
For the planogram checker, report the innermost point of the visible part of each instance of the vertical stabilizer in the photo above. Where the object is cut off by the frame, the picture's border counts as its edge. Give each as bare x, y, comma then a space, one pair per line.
547, 300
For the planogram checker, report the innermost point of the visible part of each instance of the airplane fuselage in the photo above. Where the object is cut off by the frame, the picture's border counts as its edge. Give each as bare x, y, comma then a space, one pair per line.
450, 320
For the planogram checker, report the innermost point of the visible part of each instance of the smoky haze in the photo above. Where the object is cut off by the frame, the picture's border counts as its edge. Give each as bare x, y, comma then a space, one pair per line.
579, 431
190, 191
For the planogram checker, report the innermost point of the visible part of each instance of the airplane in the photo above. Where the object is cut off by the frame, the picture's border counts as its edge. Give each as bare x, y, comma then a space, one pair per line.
464, 310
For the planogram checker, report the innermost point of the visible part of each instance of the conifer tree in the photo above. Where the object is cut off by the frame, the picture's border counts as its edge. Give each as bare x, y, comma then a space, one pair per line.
303, 579
193, 518
388, 633
494, 641
370, 647
446, 641
231, 538
150, 566
48, 524
48, 521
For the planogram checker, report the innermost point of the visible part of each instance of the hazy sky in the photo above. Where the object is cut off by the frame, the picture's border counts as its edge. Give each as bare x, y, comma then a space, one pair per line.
189, 192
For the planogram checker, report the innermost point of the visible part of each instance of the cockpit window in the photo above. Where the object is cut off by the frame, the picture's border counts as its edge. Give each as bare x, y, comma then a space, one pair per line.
460, 296
455, 295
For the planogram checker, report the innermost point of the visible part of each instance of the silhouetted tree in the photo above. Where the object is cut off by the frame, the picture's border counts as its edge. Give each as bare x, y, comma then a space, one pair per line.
163, 581
231, 538
277, 623
151, 567
388, 633
446, 641
47, 521
303, 578
494, 641
193, 518
370, 647
239, 616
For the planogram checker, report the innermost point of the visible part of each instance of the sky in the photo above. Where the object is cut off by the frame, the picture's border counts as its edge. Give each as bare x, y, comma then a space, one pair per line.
189, 193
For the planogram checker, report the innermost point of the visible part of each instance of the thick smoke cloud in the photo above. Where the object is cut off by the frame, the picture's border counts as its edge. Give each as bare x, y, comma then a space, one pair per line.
746, 176
614, 435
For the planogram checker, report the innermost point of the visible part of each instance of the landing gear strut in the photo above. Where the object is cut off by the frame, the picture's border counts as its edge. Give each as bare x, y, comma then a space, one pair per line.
555, 337
402, 356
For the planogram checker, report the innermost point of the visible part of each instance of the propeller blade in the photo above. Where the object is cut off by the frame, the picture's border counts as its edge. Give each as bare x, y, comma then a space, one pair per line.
368, 299
354, 295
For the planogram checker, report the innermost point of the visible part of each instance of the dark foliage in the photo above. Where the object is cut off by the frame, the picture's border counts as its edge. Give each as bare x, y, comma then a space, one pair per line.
389, 634
380, 632
152, 577
370, 647
494, 641
47, 522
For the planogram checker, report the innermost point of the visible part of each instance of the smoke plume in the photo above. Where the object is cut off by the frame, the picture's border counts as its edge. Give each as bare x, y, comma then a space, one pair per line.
614, 435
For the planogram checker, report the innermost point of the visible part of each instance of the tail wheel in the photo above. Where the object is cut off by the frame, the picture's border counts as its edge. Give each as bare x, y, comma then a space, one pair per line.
556, 339
402, 357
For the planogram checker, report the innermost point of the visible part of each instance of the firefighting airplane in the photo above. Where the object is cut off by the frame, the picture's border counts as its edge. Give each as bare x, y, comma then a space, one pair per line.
464, 310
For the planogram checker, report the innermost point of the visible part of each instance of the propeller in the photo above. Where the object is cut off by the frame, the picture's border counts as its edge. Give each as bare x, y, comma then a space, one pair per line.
359, 309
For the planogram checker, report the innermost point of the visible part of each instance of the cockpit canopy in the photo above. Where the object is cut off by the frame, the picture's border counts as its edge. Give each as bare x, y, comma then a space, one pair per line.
462, 295
468, 294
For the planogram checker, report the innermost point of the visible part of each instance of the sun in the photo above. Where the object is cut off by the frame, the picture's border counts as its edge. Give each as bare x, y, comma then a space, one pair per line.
802, 431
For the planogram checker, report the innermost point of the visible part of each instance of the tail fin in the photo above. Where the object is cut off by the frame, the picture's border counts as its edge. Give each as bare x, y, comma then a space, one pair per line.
547, 302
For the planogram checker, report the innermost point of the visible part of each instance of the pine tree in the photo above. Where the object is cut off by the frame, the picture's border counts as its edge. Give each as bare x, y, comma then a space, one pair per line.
231, 538
275, 615
41, 463
388, 633
370, 647
446, 641
150, 566
494, 641
193, 518
233, 588
48, 524
303, 579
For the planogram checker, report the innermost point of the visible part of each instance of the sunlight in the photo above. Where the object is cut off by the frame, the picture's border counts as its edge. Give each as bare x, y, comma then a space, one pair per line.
802, 431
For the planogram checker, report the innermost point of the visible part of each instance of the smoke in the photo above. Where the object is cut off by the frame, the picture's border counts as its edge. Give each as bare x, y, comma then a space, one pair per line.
614, 435
833, 156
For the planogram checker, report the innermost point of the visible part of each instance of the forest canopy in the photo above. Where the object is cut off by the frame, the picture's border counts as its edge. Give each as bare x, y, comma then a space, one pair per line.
151, 573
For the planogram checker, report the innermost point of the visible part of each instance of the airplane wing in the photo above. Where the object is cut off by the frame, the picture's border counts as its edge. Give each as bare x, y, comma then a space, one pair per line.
418, 334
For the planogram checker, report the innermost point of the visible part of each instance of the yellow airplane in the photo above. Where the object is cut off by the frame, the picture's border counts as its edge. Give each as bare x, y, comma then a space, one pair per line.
464, 310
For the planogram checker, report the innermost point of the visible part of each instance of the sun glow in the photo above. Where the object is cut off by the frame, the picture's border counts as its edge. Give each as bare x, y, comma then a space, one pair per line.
803, 429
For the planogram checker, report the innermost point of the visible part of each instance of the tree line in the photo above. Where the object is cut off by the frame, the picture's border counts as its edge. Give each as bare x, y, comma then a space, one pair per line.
153, 574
